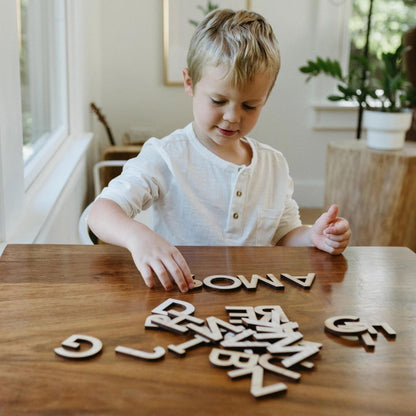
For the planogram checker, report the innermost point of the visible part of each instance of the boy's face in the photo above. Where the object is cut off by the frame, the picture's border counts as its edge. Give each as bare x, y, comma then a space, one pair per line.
222, 111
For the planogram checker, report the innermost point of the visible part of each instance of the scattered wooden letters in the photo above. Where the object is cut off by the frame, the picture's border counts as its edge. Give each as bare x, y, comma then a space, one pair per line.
253, 340
250, 341
349, 326
229, 283
259, 338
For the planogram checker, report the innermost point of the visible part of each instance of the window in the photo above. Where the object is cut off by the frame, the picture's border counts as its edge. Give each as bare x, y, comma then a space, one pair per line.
42, 47
341, 29
49, 37
389, 21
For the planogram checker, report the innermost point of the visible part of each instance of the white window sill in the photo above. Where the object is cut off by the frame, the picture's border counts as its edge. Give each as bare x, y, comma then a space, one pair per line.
335, 117
45, 192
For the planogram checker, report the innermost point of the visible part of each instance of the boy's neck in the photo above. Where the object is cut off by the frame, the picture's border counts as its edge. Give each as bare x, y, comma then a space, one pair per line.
236, 151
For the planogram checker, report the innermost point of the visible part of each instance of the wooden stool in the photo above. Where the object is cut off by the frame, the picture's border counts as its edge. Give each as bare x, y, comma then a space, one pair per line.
375, 190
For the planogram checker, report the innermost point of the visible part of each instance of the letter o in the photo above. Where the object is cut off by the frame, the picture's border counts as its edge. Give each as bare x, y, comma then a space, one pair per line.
235, 282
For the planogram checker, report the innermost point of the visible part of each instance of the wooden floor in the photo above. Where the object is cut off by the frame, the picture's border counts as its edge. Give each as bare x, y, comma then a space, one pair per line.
310, 215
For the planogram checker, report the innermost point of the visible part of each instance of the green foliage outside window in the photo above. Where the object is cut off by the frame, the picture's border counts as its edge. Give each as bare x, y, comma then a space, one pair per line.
389, 21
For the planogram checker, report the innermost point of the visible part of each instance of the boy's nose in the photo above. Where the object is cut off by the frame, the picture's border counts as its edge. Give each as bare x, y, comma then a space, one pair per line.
232, 115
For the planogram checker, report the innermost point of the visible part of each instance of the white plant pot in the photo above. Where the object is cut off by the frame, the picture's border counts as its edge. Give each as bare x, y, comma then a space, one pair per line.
386, 130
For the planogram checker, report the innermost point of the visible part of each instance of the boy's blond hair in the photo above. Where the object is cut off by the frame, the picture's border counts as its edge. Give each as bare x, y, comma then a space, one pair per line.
242, 40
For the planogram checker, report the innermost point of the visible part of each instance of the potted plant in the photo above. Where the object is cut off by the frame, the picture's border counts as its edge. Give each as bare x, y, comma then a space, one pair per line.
380, 87
385, 93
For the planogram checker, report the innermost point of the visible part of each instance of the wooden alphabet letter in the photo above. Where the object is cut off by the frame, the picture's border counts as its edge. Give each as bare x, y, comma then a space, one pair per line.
336, 325
153, 321
172, 324
387, 329
73, 343
197, 284
238, 312
224, 358
269, 280
163, 308
306, 352
264, 361
284, 345
236, 283
239, 341
192, 343
367, 340
212, 330
304, 281
266, 313
157, 354
257, 389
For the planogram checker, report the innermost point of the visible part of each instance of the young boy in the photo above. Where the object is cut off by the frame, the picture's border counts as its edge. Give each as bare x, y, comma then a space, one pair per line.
210, 184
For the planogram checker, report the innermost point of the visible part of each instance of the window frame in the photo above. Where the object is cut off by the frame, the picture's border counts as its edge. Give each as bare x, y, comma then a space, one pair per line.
55, 55
333, 40
24, 207
11, 160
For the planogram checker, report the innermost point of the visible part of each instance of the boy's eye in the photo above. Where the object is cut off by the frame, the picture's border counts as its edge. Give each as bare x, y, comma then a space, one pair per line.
218, 102
249, 107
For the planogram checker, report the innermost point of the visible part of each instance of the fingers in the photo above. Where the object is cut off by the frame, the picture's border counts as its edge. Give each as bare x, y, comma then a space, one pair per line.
327, 246
160, 271
177, 256
147, 275
168, 269
332, 212
339, 237
179, 270
338, 227
335, 243
326, 219
331, 233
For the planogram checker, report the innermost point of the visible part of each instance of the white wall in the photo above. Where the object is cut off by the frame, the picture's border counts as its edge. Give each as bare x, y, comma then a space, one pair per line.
120, 67
133, 94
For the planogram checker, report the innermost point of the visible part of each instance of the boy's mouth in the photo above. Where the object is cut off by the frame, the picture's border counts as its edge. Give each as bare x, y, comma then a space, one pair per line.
225, 132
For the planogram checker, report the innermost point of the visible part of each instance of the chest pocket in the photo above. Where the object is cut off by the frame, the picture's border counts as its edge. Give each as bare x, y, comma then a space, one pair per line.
267, 225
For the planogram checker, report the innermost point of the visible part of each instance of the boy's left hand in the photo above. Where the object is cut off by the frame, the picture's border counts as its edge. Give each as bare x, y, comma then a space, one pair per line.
331, 233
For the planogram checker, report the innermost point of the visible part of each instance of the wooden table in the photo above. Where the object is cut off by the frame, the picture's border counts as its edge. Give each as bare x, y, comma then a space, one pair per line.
49, 292
375, 190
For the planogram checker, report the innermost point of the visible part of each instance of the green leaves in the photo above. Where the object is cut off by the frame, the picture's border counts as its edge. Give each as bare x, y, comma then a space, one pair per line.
326, 66
385, 83
347, 88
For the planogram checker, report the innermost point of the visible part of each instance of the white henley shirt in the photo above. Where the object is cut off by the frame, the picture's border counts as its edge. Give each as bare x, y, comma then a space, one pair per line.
198, 198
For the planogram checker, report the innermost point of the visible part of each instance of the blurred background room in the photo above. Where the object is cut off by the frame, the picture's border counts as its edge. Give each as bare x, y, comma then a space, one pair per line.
89, 81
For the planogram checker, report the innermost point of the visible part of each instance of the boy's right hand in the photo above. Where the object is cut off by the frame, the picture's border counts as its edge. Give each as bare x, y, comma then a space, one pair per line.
154, 256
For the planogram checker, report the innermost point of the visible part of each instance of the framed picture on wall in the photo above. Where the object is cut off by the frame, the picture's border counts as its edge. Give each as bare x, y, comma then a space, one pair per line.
180, 18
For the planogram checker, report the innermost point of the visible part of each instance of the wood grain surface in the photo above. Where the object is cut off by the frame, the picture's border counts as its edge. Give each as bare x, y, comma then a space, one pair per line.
375, 190
49, 292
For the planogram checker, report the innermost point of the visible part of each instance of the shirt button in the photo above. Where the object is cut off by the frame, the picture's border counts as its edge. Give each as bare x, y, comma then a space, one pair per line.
239, 193
235, 215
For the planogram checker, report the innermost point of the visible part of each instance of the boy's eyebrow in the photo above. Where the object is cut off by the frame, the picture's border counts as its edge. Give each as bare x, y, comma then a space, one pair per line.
256, 100
250, 100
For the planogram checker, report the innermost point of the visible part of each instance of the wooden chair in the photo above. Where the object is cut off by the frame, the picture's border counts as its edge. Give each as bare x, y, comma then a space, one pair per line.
85, 235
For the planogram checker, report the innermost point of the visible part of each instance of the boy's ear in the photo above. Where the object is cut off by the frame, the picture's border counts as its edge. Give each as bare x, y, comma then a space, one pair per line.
187, 82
